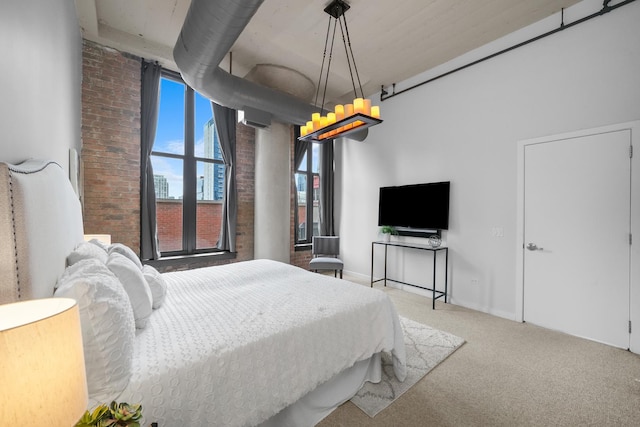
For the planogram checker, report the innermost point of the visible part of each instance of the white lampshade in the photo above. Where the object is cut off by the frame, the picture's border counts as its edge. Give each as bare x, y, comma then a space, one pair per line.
43, 380
104, 238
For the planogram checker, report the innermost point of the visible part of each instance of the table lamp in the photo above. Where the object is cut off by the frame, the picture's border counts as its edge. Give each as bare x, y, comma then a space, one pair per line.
104, 238
42, 373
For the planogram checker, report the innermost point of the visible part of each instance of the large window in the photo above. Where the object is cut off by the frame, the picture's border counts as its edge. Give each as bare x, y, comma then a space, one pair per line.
189, 173
307, 181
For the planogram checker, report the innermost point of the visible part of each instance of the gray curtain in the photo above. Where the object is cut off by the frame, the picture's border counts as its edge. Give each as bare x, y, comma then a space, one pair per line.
225, 119
326, 189
150, 94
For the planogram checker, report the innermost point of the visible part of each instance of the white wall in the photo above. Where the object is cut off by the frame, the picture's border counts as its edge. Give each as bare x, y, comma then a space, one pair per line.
40, 81
272, 210
465, 127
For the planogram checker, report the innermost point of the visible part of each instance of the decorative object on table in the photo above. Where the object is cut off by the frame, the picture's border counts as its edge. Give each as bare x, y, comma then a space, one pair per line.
43, 380
116, 414
345, 119
435, 241
387, 231
426, 348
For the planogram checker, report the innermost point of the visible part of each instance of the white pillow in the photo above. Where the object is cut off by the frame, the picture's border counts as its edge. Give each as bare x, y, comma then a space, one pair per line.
85, 250
156, 283
100, 244
108, 330
126, 251
136, 286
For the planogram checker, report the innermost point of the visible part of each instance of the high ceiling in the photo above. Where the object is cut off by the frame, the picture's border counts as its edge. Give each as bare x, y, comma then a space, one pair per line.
391, 40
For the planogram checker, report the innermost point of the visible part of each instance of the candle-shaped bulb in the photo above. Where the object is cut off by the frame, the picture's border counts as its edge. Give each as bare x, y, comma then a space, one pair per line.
367, 107
358, 105
348, 110
315, 119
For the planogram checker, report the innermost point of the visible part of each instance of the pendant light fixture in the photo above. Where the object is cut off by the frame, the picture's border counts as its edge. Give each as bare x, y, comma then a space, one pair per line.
345, 119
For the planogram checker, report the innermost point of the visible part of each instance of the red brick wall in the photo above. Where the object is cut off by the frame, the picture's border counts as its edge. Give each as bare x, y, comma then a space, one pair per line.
208, 223
169, 216
111, 143
245, 180
111, 154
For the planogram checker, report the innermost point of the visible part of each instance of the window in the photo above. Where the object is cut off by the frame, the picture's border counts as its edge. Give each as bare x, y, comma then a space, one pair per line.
307, 181
189, 173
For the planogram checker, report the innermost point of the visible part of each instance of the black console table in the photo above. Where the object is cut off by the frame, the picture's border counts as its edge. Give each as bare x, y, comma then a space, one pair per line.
436, 294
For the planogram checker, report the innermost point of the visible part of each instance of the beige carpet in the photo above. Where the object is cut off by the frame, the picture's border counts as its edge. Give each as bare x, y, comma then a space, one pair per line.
426, 347
508, 374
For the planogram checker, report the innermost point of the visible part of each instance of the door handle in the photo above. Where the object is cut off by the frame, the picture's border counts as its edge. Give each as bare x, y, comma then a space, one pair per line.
533, 247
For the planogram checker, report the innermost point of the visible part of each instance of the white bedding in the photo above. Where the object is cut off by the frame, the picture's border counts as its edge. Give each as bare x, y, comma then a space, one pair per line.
230, 345
235, 344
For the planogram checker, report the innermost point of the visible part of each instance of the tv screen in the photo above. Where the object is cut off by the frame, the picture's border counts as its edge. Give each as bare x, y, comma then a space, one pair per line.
417, 206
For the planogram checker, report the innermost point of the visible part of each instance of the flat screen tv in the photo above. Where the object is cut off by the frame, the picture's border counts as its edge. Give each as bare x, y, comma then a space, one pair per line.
416, 207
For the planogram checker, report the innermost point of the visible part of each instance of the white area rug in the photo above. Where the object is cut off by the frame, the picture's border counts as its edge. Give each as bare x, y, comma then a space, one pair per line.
426, 348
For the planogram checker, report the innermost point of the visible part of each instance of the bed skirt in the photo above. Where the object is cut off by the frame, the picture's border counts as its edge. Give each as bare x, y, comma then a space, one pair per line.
319, 403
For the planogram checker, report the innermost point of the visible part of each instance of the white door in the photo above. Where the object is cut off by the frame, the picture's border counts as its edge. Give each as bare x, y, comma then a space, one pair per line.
577, 208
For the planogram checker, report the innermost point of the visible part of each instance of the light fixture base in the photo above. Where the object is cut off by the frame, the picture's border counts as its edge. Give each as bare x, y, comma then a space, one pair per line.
337, 8
363, 121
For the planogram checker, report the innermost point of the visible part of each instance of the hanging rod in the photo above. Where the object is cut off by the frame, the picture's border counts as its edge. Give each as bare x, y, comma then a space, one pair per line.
384, 95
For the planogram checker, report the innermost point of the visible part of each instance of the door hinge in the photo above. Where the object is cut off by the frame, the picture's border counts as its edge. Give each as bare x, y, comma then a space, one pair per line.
631, 151
629, 326
630, 239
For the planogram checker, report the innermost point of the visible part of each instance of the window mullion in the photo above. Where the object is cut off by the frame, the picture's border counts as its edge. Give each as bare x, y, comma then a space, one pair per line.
310, 193
189, 190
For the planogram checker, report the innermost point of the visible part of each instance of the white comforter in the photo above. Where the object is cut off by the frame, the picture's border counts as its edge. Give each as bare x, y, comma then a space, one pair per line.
235, 344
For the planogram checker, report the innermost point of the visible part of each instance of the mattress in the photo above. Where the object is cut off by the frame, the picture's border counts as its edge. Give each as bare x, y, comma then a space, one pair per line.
233, 345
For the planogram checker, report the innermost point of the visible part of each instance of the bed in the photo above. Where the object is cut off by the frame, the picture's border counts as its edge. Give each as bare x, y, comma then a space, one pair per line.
251, 343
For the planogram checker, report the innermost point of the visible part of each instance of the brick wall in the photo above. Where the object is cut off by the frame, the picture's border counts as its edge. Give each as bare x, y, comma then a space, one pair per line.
111, 143
111, 154
169, 218
208, 223
245, 180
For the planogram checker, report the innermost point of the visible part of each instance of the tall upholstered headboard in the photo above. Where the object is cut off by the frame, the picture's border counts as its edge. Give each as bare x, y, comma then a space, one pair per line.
40, 224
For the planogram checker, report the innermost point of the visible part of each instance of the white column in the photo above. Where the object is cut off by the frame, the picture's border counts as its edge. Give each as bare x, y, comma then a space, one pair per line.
272, 193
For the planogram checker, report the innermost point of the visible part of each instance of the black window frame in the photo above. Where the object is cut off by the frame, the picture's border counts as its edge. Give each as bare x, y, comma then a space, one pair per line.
310, 176
189, 173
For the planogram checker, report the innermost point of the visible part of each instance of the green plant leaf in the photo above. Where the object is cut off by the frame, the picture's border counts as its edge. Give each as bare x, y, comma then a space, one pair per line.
388, 229
116, 414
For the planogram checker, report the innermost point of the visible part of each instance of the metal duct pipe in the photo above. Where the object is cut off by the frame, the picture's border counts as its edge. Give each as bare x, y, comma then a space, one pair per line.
210, 29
